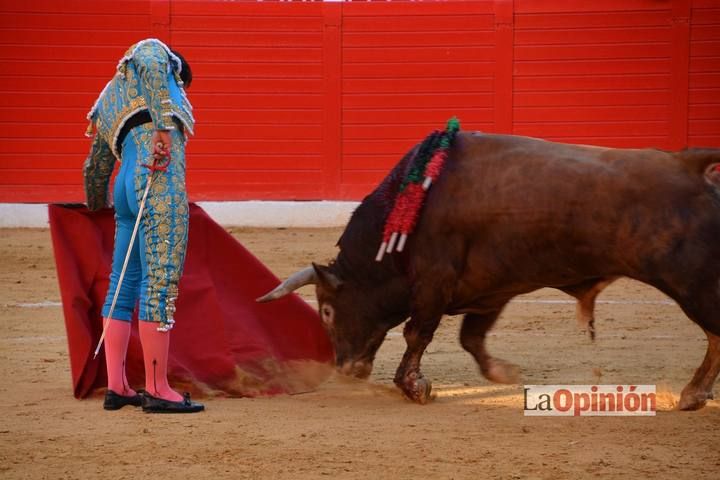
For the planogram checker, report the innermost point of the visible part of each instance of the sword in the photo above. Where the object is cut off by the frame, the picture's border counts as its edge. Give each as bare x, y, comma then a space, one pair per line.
153, 168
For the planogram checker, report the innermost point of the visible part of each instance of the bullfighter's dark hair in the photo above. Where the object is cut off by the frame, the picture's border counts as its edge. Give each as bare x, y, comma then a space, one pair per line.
186, 71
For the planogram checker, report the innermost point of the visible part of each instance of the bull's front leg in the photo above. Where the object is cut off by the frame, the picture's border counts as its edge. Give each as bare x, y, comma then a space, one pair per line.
418, 334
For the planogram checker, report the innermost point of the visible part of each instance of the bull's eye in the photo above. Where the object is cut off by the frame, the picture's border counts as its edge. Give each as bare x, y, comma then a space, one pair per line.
327, 313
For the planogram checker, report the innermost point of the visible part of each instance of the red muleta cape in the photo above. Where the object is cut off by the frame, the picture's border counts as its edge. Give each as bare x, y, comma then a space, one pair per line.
223, 342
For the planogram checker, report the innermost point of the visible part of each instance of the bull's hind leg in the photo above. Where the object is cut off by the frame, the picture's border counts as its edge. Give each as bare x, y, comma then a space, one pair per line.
699, 390
472, 337
703, 307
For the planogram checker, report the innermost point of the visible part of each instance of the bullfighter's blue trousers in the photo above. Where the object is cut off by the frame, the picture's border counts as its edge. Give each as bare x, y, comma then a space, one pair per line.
158, 252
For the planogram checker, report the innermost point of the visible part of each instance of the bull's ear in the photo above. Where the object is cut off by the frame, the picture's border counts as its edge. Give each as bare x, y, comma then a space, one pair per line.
712, 174
326, 278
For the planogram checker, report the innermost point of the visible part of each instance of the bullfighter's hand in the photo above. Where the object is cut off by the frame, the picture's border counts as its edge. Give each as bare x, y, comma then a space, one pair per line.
162, 144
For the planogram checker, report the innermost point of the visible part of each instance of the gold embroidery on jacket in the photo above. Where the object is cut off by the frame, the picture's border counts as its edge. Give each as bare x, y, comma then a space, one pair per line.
165, 226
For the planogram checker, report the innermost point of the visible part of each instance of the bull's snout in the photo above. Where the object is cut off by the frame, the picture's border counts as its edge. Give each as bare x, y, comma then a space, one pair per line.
358, 369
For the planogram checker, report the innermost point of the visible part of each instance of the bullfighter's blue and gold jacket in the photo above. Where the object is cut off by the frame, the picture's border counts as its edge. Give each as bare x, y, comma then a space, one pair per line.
147, 79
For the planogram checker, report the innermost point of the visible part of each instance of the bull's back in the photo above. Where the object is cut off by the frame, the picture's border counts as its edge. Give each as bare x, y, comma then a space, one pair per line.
553, 213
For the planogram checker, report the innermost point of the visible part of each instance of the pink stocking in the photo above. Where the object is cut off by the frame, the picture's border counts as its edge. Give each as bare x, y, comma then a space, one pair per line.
156, 346
117, 336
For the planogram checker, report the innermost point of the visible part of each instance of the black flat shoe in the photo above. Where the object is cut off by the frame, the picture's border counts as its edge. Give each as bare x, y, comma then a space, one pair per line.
152, 404
114, 401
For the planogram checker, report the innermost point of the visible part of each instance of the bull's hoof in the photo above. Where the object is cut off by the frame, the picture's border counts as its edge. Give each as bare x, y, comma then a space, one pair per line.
417, 388
421, 391
693, 399
500, 371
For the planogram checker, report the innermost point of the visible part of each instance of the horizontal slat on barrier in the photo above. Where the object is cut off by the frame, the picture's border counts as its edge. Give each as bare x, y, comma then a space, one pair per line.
704, 64
110, 54
214, 53
434, 54
72, 37
403, 8
30, 146
698, 96
426, 85
705, 127
199, 146
448, 100
438, 71
640, 97
219, 161
255, 39
242, 177
46, 115
430, 117
590, 113
708, 14
240, 22
59, 70
580, 21
554, 52
252, 9
270, 146
703, 112
622, 141
70, 8
21, 83
245, 130
409, 23
419, 39
705, 80
241, 69
220, 176
594, 36
705, 32
702, 140
642, 128
390, 131
592, 67
292, 113
594, 83
42, 177
44, 160
227, 103
368, 178
582, 6
258, 85
85, 21
705, 48
389, 148
41, 130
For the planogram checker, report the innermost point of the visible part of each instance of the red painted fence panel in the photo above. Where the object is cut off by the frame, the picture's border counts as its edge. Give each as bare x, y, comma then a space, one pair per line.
317, 100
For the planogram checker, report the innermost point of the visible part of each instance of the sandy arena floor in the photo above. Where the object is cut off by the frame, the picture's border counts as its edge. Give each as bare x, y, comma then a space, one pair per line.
363, 430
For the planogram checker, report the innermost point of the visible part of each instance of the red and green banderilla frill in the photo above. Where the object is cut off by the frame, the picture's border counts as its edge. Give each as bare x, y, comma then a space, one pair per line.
425, 169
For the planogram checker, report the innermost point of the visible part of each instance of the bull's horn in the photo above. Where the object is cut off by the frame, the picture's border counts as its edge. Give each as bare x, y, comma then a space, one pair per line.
305, 276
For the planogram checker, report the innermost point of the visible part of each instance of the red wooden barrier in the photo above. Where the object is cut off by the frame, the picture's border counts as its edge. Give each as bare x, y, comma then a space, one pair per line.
314, 100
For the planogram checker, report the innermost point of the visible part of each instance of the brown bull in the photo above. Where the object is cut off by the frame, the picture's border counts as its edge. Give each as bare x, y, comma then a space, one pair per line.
510, 215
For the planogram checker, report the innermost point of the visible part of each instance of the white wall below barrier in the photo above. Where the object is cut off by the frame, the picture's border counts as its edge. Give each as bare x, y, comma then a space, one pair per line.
270, 214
